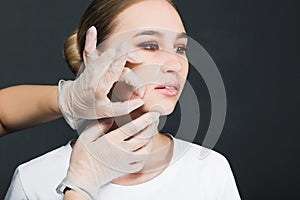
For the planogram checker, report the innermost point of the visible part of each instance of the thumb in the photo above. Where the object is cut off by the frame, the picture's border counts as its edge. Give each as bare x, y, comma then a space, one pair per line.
90, 42
95, 129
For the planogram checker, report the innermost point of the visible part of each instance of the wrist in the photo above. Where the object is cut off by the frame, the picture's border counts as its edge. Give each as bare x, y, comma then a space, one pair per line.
52, 107
87, 191
72, 194
63, 102
55, 108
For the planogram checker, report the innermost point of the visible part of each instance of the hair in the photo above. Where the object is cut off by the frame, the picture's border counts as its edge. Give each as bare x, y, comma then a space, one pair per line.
102, 15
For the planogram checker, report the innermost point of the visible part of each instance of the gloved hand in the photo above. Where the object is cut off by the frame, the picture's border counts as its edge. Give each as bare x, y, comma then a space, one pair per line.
86, 97
98, 159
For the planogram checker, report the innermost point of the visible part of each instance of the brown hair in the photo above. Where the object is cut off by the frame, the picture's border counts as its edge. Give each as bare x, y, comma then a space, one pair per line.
101, 14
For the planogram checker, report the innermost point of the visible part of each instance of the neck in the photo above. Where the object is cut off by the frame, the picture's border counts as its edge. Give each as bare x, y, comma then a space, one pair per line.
121, 120
157, 161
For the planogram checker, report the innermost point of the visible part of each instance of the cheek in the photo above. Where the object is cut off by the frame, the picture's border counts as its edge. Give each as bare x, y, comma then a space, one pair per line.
182, 76
155, 102
185, 70
149, 58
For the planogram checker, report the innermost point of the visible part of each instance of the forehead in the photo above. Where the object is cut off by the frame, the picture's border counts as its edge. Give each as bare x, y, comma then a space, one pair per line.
158, 14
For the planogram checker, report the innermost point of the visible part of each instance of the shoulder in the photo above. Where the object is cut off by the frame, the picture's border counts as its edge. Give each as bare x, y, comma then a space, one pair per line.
198, 153
198, 160
48, 162
206, 168
41, 174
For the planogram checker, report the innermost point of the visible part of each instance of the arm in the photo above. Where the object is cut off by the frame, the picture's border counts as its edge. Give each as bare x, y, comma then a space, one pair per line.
26, 106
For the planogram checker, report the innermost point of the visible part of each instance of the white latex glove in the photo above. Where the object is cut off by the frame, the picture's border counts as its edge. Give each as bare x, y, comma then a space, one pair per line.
86, 97
98, 159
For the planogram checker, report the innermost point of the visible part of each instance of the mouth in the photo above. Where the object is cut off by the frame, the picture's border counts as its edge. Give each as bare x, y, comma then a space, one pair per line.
168, 89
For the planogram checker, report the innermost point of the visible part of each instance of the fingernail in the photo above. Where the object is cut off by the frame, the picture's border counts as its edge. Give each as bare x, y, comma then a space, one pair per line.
134, 57
90, 29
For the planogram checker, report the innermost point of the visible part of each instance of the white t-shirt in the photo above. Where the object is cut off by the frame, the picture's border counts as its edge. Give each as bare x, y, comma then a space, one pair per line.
187, 177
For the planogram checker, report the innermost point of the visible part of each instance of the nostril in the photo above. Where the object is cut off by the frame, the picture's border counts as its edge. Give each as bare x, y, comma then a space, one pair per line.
169, 69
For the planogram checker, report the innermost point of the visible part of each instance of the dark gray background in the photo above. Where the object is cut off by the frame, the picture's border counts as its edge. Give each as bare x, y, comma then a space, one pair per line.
255, 45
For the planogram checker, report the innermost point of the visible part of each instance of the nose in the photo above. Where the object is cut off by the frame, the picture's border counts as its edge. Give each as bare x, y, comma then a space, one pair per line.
170, 62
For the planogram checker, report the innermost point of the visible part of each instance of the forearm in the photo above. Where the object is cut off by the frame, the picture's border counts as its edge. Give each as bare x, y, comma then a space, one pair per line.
26, 106
73, 195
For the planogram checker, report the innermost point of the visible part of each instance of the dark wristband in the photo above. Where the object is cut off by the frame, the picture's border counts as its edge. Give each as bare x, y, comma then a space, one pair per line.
66, 189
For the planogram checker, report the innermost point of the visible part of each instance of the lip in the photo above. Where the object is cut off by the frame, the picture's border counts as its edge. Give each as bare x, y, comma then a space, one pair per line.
168, 89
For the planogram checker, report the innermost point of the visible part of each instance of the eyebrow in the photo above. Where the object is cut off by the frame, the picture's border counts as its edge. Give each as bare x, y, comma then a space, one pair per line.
157, 33
182, 35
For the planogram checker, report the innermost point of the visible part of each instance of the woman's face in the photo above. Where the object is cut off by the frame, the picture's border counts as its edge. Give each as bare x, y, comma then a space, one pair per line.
154, 30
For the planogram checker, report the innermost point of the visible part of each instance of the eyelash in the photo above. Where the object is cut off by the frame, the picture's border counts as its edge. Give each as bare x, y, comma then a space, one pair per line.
182, 51
153, 46
150, 46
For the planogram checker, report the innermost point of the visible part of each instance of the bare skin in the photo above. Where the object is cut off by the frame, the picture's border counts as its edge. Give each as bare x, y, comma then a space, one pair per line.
26, 106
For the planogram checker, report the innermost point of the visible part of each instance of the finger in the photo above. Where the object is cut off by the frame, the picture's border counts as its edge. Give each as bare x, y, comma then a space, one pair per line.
136, 125
113, 72
133, 145
116, 109
123, 108
103, 62
146, 149
140, 140
115, 69
136, 166
134, 58
132, 80
95, 130
90, 41
102, 75
147, 133
105, 124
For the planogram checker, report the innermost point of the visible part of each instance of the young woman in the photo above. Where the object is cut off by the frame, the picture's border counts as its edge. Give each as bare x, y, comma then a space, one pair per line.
159, 166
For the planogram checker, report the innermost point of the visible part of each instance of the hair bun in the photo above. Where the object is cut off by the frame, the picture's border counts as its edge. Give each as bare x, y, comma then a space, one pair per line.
72, 53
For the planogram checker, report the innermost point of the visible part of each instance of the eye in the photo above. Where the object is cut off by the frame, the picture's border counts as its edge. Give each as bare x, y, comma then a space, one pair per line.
181, 50
151, 46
